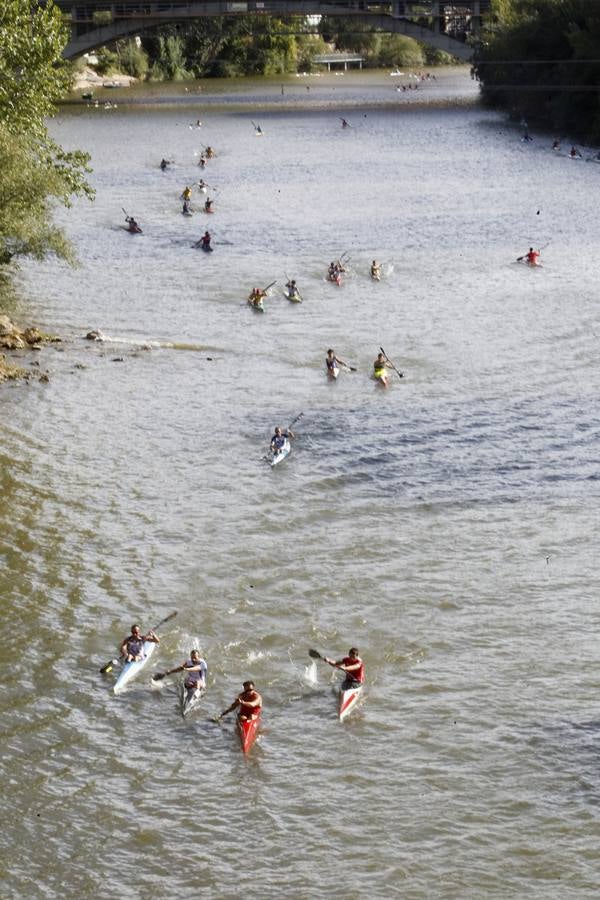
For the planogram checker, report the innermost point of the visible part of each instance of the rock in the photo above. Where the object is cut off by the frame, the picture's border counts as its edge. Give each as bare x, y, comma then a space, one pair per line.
6, 326
94, 336
45, 377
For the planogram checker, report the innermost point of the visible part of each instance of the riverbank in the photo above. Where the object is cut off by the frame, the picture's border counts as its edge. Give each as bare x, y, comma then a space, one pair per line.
377, 88
15, 340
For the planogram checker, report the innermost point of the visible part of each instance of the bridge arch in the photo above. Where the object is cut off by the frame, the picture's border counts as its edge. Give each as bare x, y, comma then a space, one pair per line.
140, 16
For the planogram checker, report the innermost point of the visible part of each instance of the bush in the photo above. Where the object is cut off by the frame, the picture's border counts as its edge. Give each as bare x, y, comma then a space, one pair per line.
399, 50
133, 59
108, 61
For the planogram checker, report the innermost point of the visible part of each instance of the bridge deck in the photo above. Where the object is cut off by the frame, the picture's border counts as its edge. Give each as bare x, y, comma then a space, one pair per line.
97, 22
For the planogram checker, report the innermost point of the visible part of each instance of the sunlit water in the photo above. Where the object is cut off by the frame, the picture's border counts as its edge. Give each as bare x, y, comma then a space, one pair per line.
447, 526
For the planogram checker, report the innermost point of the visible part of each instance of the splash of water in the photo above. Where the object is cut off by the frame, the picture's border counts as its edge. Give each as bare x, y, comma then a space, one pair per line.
310, 673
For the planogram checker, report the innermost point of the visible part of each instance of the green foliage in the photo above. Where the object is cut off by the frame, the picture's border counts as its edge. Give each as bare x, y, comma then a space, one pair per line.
108, 61
541, 61
309, 46
35, 171
398, 50
33, 76
170, 62
132, 59
435, 57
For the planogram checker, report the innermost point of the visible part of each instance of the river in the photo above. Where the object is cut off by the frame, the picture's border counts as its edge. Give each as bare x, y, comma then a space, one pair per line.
446, 526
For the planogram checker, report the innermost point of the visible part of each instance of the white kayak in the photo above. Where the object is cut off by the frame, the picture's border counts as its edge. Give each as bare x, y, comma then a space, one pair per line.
333, 373
132, 669
293, 298
190, 699
348, 700
276, 458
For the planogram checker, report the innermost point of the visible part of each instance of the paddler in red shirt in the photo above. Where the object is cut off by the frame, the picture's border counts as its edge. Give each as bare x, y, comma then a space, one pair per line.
531, 257
249, 703
352, 665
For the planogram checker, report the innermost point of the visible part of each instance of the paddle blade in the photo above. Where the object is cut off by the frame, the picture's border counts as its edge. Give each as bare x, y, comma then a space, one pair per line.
108, 667
315, 654
158, 676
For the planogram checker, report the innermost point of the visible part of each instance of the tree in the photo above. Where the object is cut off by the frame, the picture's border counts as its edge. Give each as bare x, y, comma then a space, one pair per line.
541, 61
34, 169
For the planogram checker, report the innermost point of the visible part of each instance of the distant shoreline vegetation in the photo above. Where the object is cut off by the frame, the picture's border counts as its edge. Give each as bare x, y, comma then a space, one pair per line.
226, 47
540, 60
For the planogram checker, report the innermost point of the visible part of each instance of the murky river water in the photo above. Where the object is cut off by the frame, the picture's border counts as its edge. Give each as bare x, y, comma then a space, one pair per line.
447, 526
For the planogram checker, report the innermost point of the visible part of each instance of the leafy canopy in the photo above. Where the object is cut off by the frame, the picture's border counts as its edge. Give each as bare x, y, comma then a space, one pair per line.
34, 170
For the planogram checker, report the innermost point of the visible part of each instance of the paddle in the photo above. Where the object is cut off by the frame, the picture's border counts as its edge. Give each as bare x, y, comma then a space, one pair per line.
316, 655
399, 374
107, 668
128, 218
264, 290
293, 422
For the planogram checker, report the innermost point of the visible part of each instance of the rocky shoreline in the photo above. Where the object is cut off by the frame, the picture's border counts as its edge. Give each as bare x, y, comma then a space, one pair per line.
13, 338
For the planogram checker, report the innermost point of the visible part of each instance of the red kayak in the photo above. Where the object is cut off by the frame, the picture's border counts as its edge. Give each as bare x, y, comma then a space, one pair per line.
248, 729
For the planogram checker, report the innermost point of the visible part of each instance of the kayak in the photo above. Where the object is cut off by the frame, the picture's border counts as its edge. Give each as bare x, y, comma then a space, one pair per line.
376, 276
132, 669
207, 248
208, 210
247, 730
333, 373
276, 458
258, 306
380, 376
348, 700
336, 279
190, 699
296, 298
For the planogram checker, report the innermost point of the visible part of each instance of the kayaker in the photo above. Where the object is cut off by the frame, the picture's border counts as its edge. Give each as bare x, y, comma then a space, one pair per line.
256, 296
345, 124
208, 205
164, 164
202, 161
279, 438
556, 144
202, 185
293, 291
186, 193
379, 369
352, 665
187, 211
133, 226
196, 671
375, 270
132, 647
531, 257
333, 362
204, 241
574, 153
249, 703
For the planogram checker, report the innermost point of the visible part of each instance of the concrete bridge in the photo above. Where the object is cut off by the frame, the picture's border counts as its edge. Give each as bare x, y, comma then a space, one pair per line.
444, 26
